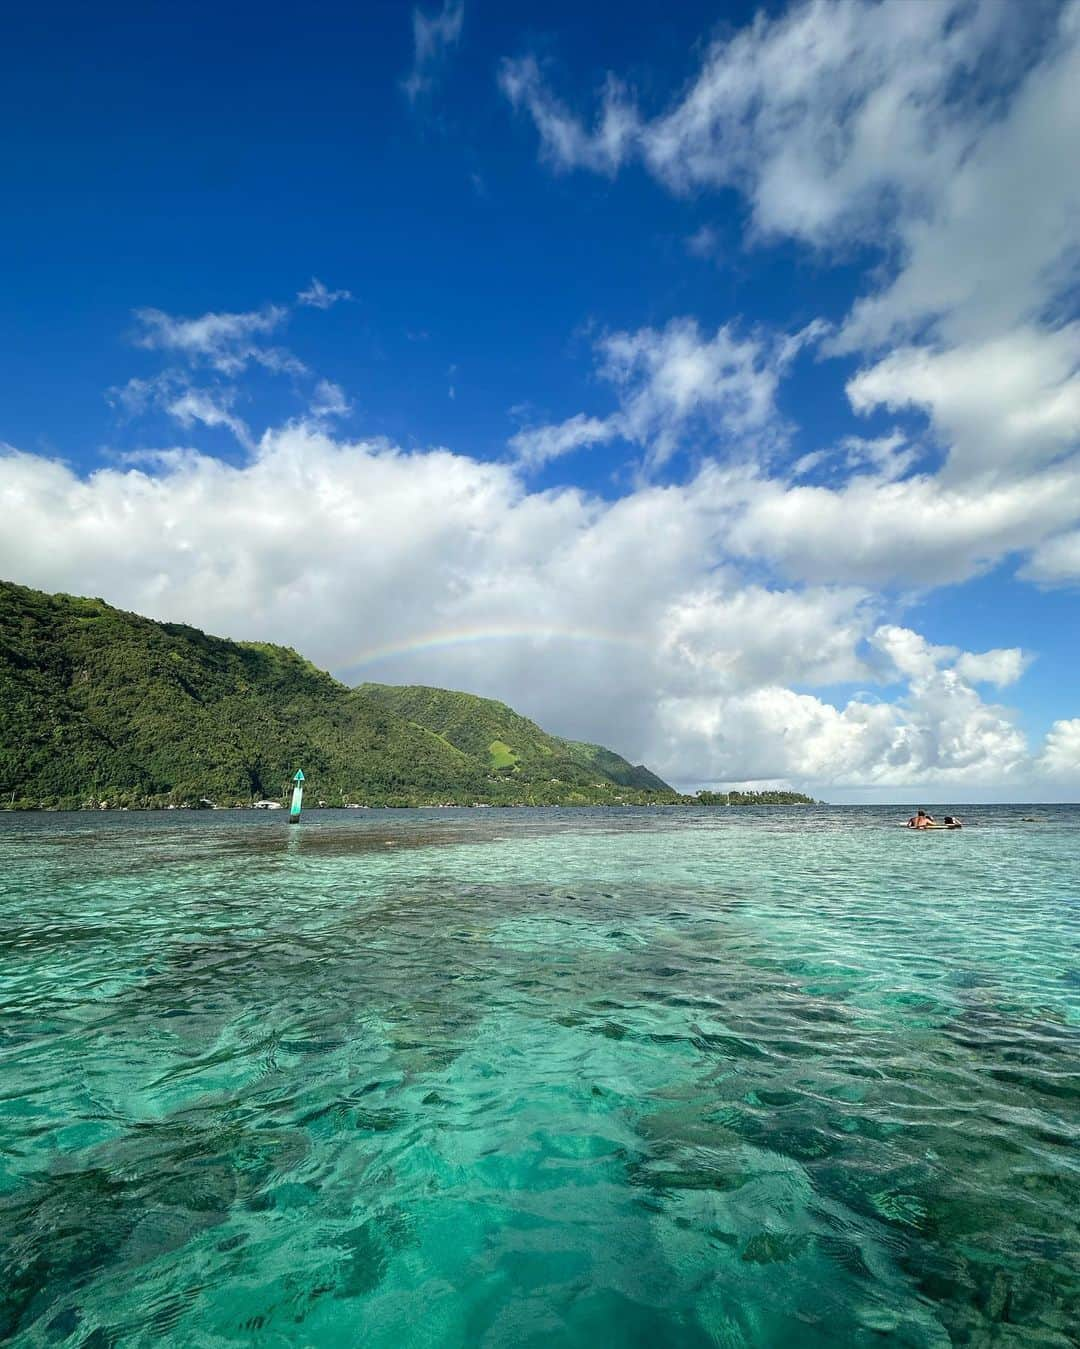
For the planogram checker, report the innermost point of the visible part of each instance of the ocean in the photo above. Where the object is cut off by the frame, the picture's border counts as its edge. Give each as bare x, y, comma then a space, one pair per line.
639, 1077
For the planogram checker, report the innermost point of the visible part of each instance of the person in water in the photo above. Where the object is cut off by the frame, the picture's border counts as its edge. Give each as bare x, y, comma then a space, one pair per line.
920, 820
951, 822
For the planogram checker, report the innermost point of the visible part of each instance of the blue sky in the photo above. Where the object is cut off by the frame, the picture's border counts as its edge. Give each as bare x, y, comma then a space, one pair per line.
703, 382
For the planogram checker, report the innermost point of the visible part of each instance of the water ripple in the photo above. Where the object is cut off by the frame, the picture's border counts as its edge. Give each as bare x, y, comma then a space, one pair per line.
639, 1077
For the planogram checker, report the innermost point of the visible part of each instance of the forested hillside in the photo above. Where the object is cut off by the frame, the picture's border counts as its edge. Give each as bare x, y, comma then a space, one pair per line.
101, 705
509, 743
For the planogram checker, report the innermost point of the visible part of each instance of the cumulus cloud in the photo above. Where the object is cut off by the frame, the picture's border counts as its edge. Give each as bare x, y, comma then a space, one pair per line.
433, 35
1003, 406
941, 733
735, 637
1060, 758
1002, 666
672, 656
1055, 562
909, 653
912, 656
872, 530
977, 257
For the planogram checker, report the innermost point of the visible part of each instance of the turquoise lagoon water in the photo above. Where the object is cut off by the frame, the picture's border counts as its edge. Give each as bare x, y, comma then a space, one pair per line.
494, 1078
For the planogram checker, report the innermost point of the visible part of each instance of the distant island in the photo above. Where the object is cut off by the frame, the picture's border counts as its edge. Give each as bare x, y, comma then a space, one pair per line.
765, 798
102, 709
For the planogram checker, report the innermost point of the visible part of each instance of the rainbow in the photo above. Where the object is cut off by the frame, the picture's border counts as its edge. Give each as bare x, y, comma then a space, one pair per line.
450, 637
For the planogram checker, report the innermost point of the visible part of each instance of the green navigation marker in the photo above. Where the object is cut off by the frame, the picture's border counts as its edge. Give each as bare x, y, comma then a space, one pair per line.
297, 797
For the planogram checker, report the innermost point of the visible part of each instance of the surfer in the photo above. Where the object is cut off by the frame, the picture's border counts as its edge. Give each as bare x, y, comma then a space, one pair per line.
951, 822
920, 820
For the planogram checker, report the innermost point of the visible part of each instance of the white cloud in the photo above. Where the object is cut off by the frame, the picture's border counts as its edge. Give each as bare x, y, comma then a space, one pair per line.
941, 732
1005, 405
318, 296
674, 384
329, 400
209, 409
534, 446
1060, 759
1002, 666
672, 657
172, 392
731, 637
912, 656
822, 116
1055, 562
137, 395
670, 378
909, 653
939, 133
996, 234
227, 343
564, 141
889, 456
433, 34
873, 531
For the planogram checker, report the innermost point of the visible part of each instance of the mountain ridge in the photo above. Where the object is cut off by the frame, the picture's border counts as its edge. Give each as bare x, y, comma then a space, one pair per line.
478, 725
101, 705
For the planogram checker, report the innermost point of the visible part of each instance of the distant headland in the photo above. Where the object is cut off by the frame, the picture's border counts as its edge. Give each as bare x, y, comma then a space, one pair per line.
102, 709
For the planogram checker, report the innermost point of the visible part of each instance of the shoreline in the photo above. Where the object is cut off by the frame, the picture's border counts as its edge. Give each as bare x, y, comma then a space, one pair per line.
689, 804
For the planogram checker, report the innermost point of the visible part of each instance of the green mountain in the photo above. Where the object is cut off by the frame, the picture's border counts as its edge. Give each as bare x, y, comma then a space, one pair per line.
101, 705
509, 744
